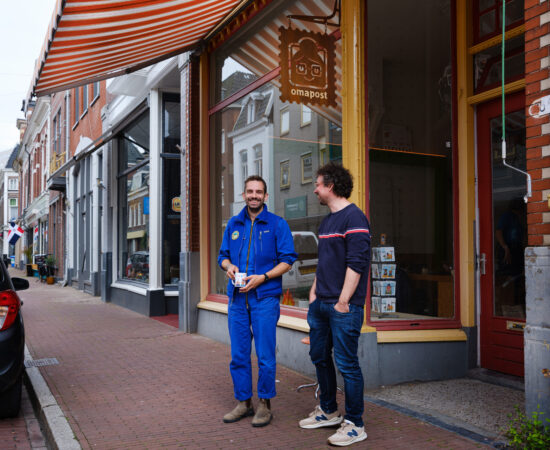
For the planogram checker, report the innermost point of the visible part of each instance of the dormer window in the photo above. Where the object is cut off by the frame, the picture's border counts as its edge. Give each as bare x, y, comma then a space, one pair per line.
251, 111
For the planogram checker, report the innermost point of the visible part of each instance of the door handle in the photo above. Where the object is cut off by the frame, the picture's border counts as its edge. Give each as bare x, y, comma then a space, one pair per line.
482, 262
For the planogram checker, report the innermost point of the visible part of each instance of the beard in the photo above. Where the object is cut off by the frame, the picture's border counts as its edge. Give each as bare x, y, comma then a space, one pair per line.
255, 209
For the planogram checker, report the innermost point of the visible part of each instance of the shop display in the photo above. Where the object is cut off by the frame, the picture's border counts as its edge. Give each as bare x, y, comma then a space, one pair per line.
383, 279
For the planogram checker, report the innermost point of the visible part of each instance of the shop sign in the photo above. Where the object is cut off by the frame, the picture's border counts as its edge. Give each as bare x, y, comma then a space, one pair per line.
296, 207
307, 67
176, 204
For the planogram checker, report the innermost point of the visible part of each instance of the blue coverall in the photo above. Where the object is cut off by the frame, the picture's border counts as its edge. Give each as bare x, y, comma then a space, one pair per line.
255, 248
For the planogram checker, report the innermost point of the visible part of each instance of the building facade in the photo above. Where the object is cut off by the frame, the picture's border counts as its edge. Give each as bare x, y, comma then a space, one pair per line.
415, 112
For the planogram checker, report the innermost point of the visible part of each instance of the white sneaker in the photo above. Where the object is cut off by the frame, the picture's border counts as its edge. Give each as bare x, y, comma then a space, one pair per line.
347, 434
318, 418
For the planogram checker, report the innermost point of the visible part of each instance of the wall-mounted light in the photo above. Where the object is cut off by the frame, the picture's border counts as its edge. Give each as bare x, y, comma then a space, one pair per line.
100, 183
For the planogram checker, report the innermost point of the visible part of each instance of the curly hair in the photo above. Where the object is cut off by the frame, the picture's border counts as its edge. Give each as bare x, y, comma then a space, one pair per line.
256, 178
339, 177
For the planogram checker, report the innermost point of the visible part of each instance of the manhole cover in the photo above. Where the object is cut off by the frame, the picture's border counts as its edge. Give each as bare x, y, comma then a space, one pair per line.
41, 362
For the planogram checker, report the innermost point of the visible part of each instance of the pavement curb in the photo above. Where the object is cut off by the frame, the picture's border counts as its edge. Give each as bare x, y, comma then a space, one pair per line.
59, 434
444, 422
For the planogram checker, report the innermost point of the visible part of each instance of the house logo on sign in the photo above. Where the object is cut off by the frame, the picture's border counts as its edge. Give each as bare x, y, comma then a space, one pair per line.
307, 67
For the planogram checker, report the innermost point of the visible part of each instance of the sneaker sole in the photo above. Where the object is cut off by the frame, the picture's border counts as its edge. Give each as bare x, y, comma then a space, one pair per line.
325, 423
359, 438
247, 414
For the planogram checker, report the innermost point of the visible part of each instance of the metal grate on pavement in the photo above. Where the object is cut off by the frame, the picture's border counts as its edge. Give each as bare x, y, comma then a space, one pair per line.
41, 362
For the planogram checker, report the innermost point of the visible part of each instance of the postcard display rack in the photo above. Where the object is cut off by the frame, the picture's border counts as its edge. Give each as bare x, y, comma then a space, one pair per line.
383, 280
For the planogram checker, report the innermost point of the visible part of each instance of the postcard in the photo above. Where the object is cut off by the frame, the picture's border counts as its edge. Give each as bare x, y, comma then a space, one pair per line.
387, 288
387, 271
386, 254
387, 304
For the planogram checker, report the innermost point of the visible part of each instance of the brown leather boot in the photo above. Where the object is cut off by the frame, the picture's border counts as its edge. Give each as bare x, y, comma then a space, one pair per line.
263, 414
243, 409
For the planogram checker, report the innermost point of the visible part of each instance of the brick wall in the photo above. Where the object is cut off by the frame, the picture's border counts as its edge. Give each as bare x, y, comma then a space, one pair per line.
537, 77
87, 121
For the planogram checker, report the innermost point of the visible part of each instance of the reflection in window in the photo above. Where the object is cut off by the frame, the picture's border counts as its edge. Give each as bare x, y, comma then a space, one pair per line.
410, 160
133, 187
258, 166
295, 154
285, 121
305, 116
262, 140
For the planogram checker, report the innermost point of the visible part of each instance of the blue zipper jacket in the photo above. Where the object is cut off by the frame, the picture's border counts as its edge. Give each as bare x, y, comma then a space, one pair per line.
271, 243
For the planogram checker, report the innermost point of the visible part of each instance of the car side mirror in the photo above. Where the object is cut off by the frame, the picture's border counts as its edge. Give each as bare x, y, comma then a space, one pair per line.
20, 284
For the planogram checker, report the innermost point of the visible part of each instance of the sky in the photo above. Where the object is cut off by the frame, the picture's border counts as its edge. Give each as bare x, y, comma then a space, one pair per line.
22, 32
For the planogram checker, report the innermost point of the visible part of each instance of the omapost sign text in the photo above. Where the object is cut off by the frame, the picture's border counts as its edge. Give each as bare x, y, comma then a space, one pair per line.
307, 67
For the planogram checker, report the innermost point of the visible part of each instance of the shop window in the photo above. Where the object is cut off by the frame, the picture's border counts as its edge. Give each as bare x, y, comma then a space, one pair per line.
410, 161
133, 192
286, 156
171, 182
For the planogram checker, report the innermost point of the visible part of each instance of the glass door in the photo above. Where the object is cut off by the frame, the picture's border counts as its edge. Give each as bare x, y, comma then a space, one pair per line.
503, 235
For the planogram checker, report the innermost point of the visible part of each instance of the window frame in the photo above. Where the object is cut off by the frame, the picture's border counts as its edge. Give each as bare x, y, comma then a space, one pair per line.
303, 122
95, 93
284, 112
84, 100
476, 13
76, 104
424, 324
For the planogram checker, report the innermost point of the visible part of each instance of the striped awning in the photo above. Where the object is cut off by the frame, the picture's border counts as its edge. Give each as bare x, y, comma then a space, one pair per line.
90, 40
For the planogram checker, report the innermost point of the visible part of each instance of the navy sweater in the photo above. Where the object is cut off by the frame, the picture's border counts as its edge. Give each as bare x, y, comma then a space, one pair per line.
344, 241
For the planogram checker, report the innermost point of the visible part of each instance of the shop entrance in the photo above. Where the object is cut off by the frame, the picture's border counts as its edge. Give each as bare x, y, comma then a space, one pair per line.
503, 234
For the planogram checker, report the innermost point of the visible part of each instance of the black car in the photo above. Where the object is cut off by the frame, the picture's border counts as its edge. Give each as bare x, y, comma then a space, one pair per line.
12, 343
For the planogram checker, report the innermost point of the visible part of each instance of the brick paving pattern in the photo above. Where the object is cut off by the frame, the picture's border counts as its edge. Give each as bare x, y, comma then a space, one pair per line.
22, 432
126, 381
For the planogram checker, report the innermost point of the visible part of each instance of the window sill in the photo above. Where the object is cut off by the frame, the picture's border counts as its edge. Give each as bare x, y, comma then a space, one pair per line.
129, 287
293, 323
392, 337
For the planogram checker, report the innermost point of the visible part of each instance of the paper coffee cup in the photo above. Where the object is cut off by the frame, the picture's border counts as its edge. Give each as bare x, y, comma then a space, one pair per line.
239, 280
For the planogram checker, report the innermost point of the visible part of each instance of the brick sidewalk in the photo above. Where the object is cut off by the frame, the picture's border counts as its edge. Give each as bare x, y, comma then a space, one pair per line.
126, 381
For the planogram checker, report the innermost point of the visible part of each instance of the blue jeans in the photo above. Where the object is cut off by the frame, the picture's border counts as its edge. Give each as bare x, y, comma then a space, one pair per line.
258, 320
330, 328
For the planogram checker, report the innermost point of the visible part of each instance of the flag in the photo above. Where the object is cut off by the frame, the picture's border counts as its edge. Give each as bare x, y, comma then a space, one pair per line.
35, 234
15, 233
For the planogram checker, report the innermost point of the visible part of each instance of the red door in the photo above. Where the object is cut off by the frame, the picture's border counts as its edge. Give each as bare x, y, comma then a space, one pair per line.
503, 234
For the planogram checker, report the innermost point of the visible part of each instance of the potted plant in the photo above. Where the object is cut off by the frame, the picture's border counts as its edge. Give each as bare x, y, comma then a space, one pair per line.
50, 263
28, 254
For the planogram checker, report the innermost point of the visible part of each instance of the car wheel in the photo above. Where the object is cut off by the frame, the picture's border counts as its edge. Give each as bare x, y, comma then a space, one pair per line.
10, 400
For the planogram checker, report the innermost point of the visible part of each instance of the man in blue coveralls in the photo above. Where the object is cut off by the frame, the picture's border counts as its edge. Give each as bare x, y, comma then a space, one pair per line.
259, 244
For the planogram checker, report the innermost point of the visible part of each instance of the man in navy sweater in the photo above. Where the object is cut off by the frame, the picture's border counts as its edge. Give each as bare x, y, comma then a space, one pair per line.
336, 304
